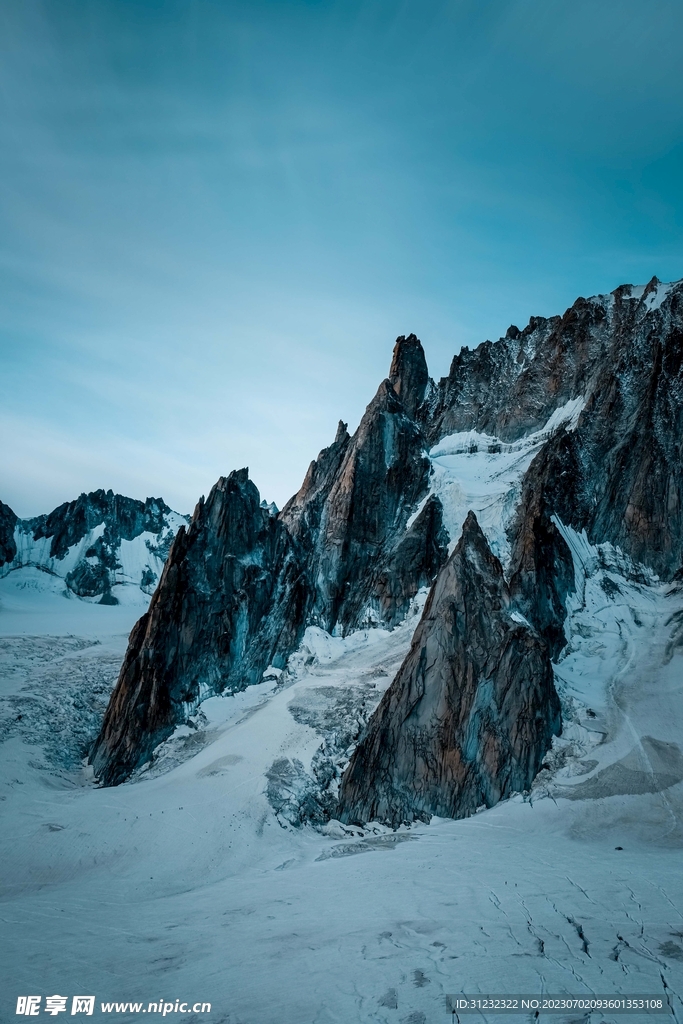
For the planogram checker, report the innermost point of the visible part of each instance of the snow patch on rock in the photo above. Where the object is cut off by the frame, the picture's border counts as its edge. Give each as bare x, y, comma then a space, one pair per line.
482, 473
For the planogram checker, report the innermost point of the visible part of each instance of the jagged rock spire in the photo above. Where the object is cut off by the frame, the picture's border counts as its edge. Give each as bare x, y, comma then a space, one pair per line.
471, 711
409, 375
231, 601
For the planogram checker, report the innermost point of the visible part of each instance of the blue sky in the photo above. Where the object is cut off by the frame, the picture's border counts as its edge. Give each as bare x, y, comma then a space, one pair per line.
216, 217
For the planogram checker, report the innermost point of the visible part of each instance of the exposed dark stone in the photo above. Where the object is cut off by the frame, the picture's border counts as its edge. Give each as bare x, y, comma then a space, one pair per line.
619, 475
88, 580
126, 518
541, 571
626, 358
408, 374
382, 477
471, 711
413, 564
303, 512
631, 442
351, 513
510, 388
8, 521
231, 600
337, 553
148, 578
119, 517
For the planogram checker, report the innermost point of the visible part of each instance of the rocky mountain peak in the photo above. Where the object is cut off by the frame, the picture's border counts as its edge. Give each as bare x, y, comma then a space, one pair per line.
471, 711
408, 374
651, 286
342, 432
232, 600
473, 708
95, 543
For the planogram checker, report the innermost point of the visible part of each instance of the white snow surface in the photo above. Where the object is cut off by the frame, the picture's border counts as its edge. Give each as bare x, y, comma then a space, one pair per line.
36, 602
652, 301
479, 472
657, 296
185, 883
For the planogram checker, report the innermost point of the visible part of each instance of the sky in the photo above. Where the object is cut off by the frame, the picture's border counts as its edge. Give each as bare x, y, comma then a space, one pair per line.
216, 217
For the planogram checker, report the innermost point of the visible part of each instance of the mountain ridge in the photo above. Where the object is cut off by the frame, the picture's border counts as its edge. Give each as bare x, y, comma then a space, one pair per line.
600, 388
96, 542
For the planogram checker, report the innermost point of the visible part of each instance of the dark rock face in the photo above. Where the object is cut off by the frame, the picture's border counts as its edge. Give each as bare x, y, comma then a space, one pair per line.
303, 512
409, 375
623, 353
619, 475
510, 387
351, 513
411, 565
8, 521
541, 571
232, 599
229, 603
472, 710
634, 424
124, 519
380, 480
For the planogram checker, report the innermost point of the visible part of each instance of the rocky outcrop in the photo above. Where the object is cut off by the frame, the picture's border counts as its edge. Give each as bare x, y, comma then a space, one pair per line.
8, 522
232, 600
241, 586
510, 387
352, 511
630, 441
541, 570
123, 519
619, 474
382, 477
471, 711
408, 374
411, 565
303, 512
623, 354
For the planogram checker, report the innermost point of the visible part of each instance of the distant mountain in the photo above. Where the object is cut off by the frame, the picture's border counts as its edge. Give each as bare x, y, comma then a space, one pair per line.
574, 421
96, 543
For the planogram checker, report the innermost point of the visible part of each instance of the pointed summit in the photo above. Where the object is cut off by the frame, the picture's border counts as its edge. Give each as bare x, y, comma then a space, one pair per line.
342, 432
470, 713
651, 286
408, 374
232, 600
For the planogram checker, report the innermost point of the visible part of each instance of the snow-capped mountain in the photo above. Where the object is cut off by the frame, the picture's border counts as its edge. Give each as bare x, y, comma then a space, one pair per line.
97, 544
574, 422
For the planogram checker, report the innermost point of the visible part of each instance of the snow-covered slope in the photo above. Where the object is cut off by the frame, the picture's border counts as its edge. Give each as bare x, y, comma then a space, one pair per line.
481, 472
191, 883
